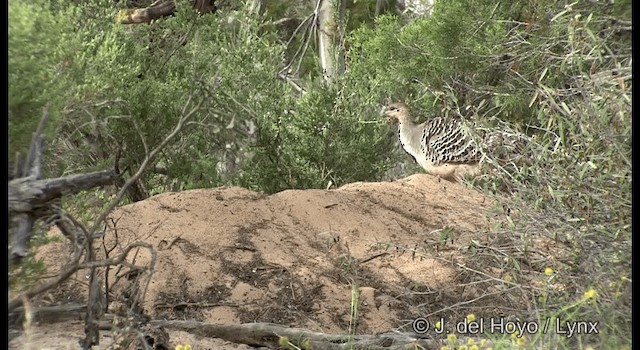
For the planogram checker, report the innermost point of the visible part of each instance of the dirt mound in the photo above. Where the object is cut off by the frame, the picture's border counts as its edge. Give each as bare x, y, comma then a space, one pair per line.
229, 255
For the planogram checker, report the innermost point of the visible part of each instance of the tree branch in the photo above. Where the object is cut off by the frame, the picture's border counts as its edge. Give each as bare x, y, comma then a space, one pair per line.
27, 194
76, 266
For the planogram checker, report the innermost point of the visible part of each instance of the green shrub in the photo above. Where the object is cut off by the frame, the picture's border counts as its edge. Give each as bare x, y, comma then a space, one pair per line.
38, 38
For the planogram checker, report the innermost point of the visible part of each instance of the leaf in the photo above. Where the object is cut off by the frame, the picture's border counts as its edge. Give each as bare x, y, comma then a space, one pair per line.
544, 72
535, 96
575, 219
588, 19
561, 13
565, 107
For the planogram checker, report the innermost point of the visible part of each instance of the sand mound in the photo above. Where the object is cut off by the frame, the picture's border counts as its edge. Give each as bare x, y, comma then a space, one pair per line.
229, 255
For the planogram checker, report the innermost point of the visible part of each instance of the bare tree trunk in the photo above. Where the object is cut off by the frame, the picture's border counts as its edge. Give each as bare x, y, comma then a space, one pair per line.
417, 7
380, 5
257, 6
326, 39
342, 54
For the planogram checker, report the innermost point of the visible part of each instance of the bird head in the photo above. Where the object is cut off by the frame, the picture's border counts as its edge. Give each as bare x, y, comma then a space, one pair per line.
395, 111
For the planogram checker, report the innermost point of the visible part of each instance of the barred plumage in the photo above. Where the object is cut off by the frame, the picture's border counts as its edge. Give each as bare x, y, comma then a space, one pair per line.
443, 147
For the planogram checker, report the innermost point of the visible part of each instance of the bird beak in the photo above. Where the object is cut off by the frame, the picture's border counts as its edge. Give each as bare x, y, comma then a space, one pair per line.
383, 113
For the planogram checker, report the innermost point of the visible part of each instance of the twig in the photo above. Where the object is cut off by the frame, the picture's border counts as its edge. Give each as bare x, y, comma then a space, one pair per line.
372, 257
75, 266
145, 163
34, 158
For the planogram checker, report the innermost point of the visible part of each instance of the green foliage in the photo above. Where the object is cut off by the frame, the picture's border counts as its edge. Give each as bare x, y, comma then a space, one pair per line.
37, 38
128, 85
32, 268
322, 140
138, 79
561, 73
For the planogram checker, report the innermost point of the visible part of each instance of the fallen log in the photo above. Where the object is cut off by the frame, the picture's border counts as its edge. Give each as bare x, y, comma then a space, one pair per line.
277, 336
48, 314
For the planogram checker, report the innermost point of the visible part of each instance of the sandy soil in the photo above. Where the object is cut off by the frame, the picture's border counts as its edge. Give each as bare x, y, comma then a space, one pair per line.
229, 255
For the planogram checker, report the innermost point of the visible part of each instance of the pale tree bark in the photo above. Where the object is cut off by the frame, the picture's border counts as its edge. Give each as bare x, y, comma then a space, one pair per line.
342, 53
417, 7
326, 39
380, 5
257, 6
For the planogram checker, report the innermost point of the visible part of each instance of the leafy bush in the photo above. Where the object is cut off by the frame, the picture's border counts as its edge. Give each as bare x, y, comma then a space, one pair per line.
37, 51
559, 73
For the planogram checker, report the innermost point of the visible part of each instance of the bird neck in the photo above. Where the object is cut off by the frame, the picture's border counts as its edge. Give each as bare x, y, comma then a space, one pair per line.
405, 126
409, 136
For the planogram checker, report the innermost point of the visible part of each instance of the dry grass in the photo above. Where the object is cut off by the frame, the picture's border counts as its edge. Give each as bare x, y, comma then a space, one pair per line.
576, 187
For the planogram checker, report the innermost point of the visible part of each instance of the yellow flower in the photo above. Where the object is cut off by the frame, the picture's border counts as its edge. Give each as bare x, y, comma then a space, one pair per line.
444, 348
590, 294
438, 325
520, 341
483, 342
507, 278
470, 341
471, 317
548, 271
451, 337
187, 347
462, 347
624, 278
473, 347
179, 347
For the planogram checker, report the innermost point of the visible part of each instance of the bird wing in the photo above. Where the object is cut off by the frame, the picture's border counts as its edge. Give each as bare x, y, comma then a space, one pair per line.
448, 141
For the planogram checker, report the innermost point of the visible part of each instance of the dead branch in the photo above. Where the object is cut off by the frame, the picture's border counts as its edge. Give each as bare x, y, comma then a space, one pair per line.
48, 314
22, 236
31, 169
160, 9
33, 166
75, 266
183, 119
73, 230
271, 335
157, 10
96, 302
27, 194
97, 299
